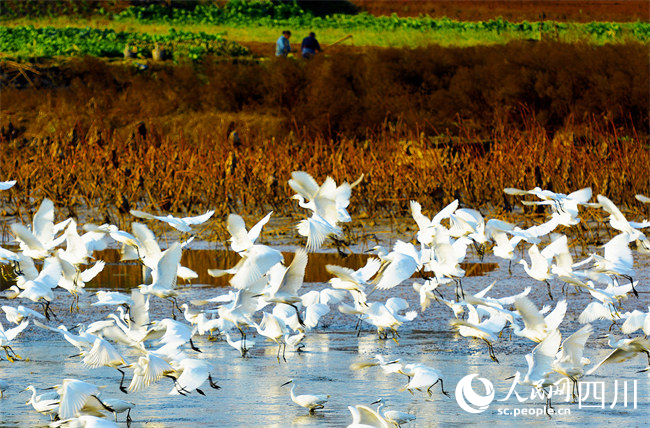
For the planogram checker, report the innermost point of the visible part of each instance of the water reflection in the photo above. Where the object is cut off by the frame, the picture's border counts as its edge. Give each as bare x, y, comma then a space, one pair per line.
119, 275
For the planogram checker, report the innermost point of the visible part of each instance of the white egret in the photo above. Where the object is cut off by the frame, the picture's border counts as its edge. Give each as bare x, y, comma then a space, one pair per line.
308, 401
395, 417
504, 247
120, 406
17, 314
540, 365
148, 369
46, 403
171, 334
422, 377
183, 224
164, 276
317, 303
536, 326
396, 267
39, 290
564, 207
256, 261
353, 280
5, 185
74, 280
85, 421
294, 341
386, 316
242, 345
617, 259
541, 261
430, 228
240, 238
569, 361
76, 251
78, 397
598, 311
446, 259
284, 282
273, 328
486, 330
618, 221
6, 336
365, 417
605, 309
39, 241
190, 374
112, 298
636, 320
470, 223
388, 367
240, 310
328, 204
83, 341
624, 349
104, 354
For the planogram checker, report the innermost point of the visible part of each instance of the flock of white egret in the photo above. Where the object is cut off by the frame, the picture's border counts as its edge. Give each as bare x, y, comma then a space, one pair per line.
266, 298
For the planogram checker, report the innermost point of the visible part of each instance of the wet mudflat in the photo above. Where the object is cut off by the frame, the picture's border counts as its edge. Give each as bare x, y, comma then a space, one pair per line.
251, 395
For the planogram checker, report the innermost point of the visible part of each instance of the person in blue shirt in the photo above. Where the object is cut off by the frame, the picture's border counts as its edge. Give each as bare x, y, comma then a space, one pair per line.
310, 46
282, 46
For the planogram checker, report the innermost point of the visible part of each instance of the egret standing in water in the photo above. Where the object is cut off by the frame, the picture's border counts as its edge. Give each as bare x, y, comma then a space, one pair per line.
311, 402
46, 403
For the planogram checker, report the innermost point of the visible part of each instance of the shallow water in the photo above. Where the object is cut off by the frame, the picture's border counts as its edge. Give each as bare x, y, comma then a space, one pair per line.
120, 275
251, 395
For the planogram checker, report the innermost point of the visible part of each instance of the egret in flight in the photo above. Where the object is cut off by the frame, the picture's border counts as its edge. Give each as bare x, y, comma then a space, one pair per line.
183, 224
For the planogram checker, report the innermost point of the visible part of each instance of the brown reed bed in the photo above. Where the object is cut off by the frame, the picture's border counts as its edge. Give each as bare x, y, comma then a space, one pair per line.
99, 176
432, 125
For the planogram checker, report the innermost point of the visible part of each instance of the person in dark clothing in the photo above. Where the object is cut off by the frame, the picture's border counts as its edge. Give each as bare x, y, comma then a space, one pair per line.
310, 46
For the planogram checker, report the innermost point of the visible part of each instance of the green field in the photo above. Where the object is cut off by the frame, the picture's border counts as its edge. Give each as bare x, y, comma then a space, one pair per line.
191, 33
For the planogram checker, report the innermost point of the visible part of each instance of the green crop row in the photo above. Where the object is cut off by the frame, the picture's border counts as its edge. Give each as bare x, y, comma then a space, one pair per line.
290, 15
256, 14
28, 41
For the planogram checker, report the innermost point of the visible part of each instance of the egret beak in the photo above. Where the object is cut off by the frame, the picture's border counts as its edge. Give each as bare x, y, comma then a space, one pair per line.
511, 377
375, 402
286, 383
